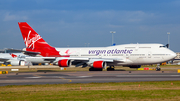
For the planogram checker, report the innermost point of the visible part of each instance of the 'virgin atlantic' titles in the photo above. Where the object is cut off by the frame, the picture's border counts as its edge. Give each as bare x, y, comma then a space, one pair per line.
113, 51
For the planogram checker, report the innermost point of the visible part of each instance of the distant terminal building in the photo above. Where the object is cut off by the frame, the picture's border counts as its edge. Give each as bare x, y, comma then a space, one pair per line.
177, 59
178, 55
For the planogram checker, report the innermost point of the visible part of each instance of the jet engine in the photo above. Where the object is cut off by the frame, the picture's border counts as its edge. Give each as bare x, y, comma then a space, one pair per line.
99, 64
64, 63
17, 62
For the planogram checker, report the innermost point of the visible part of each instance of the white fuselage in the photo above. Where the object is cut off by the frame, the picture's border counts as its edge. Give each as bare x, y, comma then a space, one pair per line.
131, 54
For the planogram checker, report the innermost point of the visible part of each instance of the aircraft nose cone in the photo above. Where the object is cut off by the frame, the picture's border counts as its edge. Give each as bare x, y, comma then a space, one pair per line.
173, 55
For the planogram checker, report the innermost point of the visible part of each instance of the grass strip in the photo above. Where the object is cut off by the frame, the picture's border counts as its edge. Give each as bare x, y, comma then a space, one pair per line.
125, 91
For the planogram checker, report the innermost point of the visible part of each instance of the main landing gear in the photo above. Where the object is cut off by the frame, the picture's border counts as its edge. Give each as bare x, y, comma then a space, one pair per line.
110, 68
158, 68
95, 69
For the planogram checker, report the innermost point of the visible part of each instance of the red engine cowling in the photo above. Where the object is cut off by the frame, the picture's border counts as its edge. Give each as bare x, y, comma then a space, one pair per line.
99, 64
64, 63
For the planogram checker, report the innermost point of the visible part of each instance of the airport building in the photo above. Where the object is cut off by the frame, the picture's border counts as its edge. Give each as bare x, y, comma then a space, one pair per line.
178, 55
176, 60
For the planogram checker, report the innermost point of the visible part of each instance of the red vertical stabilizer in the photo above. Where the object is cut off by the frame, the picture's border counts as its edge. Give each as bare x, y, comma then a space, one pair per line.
35, 43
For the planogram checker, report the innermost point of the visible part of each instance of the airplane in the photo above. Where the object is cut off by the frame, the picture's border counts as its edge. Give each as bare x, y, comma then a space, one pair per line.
18, 59
98, 58
15, 59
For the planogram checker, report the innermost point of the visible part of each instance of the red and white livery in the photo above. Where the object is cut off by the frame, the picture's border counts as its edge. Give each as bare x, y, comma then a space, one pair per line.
98, 58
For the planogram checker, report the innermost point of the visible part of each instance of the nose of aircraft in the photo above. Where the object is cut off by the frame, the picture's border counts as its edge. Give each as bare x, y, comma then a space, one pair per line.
173, 54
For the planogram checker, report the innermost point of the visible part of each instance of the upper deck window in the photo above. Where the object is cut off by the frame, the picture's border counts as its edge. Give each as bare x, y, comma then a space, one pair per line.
166, 46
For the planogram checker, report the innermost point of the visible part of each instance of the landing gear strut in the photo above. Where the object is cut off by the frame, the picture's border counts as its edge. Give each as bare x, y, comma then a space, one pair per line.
110, 68
158, 68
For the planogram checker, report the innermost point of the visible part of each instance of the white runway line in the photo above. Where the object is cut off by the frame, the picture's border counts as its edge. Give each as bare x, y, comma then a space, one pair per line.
84, 76
33, 77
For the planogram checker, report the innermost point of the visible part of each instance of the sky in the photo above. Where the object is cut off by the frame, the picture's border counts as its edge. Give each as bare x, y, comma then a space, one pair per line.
87, 23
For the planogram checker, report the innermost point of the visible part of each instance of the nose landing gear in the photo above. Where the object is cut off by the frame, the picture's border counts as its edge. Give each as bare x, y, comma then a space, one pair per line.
158, 68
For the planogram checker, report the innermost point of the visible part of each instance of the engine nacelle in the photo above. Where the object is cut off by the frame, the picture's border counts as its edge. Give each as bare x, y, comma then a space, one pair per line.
20, 63
135, 66
17, 62
99, 64
64, 63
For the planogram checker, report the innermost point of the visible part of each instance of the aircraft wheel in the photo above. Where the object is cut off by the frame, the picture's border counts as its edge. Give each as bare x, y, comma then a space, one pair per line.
95, 69
6, 63
111, 68
158, 69
91, 69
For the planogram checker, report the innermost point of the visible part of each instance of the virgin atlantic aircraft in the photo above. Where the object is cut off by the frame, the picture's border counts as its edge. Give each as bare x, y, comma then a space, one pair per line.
98, 58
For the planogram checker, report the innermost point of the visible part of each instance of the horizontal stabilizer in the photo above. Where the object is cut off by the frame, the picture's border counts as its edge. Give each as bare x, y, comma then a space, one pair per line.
26, 52
4, 59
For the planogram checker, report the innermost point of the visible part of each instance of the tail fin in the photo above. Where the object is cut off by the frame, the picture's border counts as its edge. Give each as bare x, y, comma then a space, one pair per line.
35, 43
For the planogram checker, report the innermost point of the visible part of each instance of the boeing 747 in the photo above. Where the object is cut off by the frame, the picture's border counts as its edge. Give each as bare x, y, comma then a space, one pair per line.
98, 58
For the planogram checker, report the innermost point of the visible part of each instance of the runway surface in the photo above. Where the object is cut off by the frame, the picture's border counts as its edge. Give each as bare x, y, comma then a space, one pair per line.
86, 77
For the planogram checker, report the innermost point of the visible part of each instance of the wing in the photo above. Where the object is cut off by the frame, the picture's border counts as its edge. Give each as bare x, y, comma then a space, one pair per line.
56, 59
77, 61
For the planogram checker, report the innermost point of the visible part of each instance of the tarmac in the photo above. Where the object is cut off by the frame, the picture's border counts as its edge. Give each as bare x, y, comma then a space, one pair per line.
49, 77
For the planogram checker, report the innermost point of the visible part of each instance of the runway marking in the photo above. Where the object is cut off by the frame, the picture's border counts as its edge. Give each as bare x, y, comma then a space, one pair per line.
90, 73
65, 79
37, 75
61, 78
33, 77
84, 76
